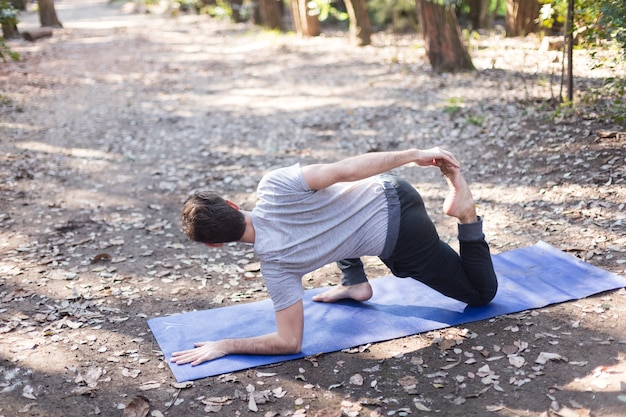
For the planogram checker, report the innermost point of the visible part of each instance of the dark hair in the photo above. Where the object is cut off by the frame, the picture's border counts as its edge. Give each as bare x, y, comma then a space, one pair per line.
208, 218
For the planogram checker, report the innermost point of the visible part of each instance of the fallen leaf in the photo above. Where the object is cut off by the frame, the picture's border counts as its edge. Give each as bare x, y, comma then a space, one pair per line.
450, 366
101, 257
568, 412
545, 357
130, 373
421, 407
495, 408
447, 344
149, 385
509, 350
252, 403
182, 385
137, 407
517, 361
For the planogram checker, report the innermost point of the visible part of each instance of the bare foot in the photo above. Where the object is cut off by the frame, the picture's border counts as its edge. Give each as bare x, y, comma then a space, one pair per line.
358, 292
459, 202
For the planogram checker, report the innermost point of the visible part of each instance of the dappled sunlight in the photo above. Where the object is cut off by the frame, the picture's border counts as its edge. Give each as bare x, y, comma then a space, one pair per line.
72, 152
19, 126
603, 378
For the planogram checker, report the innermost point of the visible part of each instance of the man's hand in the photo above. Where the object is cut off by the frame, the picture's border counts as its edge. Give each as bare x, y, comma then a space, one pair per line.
203, 352
436, 157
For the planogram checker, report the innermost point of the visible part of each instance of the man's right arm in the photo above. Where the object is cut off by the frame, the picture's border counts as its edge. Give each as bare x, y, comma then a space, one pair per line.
287, 340
356, 168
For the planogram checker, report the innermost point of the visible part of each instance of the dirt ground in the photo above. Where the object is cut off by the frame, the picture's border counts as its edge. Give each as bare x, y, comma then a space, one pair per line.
106, 127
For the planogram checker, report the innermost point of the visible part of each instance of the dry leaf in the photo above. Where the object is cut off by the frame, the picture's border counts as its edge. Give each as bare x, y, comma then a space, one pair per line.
509, 350
149, 385
182, 385
265, 374
495, 408
130, 373
252, 403
450, 366
568, 412
101, 257
517, 361
447, 344
421, 407
279, 392
138, 407
545, 357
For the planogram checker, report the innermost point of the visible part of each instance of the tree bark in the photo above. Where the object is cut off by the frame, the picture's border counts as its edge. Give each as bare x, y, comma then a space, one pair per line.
18, 4
442, 36
10, 31
271, 15
479, 13
521, 17
235, 6
360, 26
32, 35
304, 23
48, 15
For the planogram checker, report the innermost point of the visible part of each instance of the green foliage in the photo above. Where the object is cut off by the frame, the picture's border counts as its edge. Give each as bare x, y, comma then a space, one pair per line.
325, 9
8, 19
608, 101
453, 105
613, 17
400, 14
221, 9
6, 53
475, 120
8, 14
594, 20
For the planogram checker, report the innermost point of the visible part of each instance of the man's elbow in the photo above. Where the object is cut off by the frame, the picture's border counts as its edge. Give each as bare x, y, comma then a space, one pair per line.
291, 347
294, 347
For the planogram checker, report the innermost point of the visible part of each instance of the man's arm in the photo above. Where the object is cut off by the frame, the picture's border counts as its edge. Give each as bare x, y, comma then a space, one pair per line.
287, 340
356, 168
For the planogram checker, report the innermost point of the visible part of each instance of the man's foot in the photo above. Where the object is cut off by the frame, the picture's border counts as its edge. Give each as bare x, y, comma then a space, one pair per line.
358, 292
459, 202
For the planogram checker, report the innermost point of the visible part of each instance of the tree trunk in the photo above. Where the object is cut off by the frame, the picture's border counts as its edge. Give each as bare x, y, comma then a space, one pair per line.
18, 4
304, 23
479, 13
48, 15
270, 14
360, 26
442, 37
235, 6
9, 31
521, 17
32, 35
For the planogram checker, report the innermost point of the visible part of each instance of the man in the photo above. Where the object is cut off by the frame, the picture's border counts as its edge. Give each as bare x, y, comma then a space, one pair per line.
309, 216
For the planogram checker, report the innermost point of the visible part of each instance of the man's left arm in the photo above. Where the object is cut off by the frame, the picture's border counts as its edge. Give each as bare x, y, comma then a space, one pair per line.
287, 340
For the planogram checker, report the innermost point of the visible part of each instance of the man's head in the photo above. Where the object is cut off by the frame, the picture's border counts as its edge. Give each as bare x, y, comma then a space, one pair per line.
208, 218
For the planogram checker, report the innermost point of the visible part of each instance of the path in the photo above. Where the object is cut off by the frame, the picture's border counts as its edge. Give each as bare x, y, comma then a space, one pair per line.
106, 127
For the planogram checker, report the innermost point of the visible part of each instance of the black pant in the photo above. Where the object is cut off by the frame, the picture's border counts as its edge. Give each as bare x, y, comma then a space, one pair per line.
420, 254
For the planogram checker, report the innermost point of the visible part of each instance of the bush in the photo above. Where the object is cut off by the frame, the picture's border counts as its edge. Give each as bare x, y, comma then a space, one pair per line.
595, 21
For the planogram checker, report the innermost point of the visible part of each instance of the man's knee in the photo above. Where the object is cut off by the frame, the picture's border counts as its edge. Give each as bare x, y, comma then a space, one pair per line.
484, 297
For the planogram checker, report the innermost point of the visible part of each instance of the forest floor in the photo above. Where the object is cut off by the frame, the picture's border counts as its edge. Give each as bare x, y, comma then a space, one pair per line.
106, 127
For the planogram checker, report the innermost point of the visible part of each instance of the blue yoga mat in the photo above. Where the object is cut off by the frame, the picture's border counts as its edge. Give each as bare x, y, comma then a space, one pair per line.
530, 277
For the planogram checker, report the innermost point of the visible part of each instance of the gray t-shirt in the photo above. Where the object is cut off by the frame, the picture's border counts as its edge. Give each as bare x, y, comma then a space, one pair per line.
298, 230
